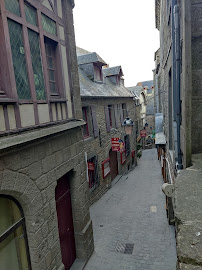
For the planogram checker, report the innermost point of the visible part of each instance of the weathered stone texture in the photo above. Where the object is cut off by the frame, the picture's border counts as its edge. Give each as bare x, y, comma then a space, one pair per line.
92, 145
35, 190
187, 204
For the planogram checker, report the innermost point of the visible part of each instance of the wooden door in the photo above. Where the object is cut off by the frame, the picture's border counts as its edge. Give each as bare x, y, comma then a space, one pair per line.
65, 222
113, 164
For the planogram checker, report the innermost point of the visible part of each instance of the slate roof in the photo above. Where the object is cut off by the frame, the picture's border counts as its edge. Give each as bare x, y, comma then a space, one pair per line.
80, 51
148, 84
136, 90
89, 88
110, 71
90, 58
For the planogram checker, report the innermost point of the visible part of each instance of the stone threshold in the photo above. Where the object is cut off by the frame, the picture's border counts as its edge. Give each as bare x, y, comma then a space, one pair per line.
78, 264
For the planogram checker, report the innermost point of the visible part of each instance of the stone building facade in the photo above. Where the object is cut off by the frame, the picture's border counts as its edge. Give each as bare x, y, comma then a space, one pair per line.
105, 102
178, 97
44, 194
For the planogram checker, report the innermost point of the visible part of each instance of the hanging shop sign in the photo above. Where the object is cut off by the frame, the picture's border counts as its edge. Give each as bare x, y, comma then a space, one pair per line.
91, 166
115, 144
143, 133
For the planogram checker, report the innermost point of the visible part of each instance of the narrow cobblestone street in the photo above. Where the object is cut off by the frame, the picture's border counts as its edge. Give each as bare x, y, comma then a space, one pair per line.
131, 231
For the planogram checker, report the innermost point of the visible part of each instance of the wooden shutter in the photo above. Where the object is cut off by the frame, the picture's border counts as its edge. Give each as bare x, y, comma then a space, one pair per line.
116, 116
94, 120
107, 118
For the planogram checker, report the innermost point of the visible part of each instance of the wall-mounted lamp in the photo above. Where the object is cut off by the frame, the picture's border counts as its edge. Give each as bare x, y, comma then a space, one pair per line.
128, 125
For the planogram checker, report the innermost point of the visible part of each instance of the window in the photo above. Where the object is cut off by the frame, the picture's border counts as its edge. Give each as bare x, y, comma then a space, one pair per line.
124, 109
30, 14
13, 6
86, 126
51, 65
48, 25
110, 108
127, 144
89, 116
97, 73
106, 168
37, 64
26, 42
19, 60
14, 251
110, 117
93, 173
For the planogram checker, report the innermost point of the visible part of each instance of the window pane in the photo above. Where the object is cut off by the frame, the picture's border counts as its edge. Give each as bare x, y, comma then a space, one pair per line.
13, 6
53, 87
48, 49
30, 15
19, 61
48, 25
51, 75
9, 213
37, 65
13, 251
50, 62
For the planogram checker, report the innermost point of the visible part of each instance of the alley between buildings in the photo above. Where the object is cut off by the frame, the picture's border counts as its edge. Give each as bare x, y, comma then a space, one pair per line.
131, 231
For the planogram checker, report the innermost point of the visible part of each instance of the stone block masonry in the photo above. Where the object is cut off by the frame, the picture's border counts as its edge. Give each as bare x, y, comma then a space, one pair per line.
29, 173
101, 145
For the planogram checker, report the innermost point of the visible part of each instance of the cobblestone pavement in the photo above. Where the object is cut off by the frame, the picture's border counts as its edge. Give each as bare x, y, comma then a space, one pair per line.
131, 231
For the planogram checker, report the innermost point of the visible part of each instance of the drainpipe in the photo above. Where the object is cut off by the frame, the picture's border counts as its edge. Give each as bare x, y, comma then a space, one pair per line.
157, 93
177, 92
174, 84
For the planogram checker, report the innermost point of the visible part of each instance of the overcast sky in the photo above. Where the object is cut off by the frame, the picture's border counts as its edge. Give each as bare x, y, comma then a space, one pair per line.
122, 32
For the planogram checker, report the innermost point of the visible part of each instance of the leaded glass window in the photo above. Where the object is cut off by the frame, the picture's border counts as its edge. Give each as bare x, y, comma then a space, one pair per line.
37, 64
49, 25
19, 61
30, 13
13, 6
50, 56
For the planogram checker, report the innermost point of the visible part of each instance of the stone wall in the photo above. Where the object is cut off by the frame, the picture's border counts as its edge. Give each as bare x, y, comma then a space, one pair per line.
196, 12
101, 145
29, 173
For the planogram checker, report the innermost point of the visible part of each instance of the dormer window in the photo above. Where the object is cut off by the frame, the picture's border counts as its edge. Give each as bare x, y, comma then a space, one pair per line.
118, 80
98, 73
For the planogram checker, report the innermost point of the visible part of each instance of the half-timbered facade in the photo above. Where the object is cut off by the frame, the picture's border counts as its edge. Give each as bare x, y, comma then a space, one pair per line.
44, 207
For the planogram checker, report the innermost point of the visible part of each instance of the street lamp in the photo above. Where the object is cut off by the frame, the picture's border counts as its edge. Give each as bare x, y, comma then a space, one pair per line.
128, 125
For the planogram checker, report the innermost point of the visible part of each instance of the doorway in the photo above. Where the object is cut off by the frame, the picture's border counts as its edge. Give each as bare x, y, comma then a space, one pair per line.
113, 164
65, 221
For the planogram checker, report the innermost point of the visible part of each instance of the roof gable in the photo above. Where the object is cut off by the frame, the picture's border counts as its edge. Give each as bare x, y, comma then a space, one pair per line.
111, 71
90, 58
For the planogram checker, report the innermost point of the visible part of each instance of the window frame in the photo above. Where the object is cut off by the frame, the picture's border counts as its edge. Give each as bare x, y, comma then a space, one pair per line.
8, 90
94, 173
104, 175
124, 110
85, 110
111, 112
98, 76
15, 226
